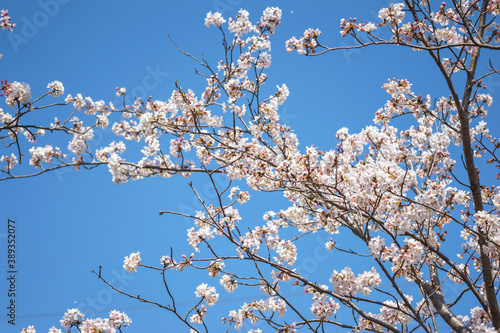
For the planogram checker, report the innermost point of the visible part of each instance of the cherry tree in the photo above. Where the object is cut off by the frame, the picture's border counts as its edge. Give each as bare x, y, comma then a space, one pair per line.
399, 193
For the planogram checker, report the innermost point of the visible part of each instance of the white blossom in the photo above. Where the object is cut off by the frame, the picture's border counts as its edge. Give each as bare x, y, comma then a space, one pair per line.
130, 263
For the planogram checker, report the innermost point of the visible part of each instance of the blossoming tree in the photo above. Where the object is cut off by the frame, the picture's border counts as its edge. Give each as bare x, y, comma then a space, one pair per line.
396, 192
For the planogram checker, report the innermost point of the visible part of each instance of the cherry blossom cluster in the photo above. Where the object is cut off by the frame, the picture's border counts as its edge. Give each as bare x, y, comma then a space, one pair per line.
215, 19
166, 262
72, 317
199, 316
479, 321
215, 268
5, 20
393, 313
207, 229
46, 154
170, 263
131, 262
17, 93
248, 311
394, 190
75, 318
306, 44
241, 196
404, 259
287, 252
382, 175
11, 161
229, 283
207, 293
451, 66
324, 306
56, 89
268, 234
346, 283
393, 15
270, 19
489, 225
159, 116
242, 24
454, 275
494, 7
446, 26
119, 319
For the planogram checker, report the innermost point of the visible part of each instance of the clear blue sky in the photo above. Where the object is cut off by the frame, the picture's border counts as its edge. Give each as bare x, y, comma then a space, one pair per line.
71, 222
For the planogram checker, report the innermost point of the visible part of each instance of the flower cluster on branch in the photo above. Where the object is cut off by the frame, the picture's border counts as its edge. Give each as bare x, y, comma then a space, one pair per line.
396, 191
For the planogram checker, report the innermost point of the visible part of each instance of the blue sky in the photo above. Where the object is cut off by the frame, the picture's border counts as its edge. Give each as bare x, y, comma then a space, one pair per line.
70, 222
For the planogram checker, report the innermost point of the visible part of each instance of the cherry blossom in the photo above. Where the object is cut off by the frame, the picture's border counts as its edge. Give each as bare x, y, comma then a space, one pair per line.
398, 193
17, 93
72, 317
209, 294
198, 317
11, 161
215, 19
44, 154
229, 283
394, 14
56, 88
119, 319
215, 268
5, 20
131, 262
307, 43
242, 23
